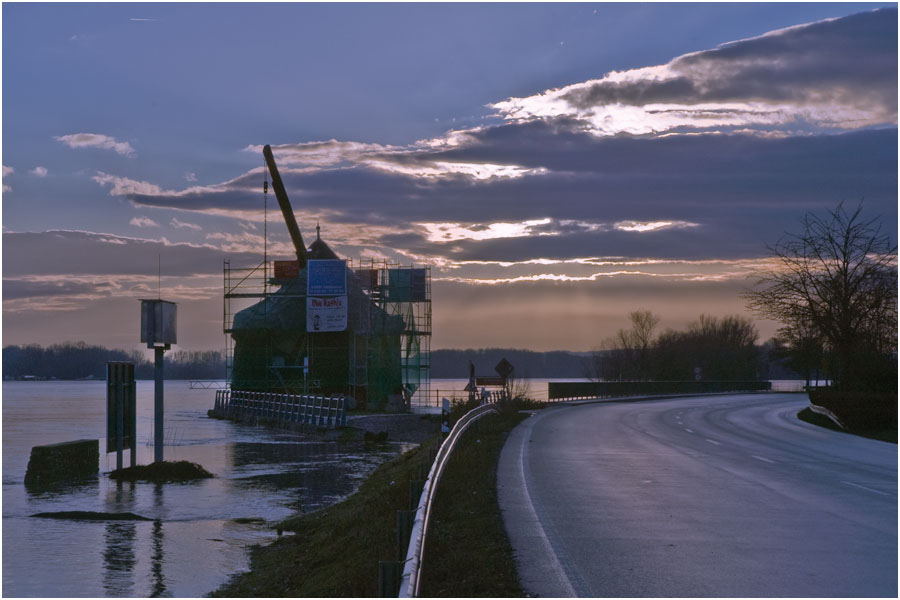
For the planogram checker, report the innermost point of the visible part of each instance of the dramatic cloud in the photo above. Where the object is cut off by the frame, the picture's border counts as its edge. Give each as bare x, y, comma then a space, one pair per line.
143, 222
837, 73
545, 184
681, 197
97, 140
63, 253
662, 184
235, 198
182, 225
652, 225
322, 154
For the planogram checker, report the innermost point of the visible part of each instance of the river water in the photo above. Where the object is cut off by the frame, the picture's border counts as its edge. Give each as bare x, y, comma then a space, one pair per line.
201, 530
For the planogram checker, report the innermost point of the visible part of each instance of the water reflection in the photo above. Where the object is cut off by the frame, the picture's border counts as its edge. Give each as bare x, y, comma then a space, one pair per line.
119, 558
156, 558
119, 553
156, 562
57, 489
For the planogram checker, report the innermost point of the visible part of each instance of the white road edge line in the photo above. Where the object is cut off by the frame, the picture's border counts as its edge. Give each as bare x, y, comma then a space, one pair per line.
868, 489
762, 458
554, 565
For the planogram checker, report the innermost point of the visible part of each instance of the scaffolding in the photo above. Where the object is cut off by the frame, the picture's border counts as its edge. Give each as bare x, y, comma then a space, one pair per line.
388, 334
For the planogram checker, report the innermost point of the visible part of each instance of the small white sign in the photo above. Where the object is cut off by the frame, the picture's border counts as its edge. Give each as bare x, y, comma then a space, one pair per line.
326, 314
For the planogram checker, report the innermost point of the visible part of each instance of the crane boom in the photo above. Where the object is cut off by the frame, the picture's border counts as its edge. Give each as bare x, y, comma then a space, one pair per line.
285, 205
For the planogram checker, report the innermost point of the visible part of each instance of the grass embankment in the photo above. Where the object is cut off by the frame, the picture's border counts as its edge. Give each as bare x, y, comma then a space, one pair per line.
884, 435
162, 472
335, 551
467, 552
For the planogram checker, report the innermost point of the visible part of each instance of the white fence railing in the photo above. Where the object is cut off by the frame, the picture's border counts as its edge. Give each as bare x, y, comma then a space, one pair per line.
412, 568
319, 411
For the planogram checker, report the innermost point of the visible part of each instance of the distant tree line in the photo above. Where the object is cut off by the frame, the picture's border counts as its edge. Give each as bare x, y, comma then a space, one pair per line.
454, 364
78, 360
712, 348
769, 363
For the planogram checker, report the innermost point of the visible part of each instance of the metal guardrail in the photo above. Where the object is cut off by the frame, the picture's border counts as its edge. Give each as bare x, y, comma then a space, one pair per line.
321, 411
567, 390
412, 568
821, 410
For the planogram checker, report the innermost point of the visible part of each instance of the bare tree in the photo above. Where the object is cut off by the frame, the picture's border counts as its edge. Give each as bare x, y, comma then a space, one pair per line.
626, 355
839, 278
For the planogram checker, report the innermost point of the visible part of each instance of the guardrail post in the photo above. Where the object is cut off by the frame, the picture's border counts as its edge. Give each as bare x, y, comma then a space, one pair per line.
389, 574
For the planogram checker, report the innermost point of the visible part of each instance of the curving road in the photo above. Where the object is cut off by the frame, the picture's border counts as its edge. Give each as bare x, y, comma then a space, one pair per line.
703, 496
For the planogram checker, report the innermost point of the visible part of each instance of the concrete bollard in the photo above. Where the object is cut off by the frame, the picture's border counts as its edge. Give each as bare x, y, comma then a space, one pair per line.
59, 462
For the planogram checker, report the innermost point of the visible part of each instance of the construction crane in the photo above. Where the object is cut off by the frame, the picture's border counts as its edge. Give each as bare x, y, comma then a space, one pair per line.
286, 209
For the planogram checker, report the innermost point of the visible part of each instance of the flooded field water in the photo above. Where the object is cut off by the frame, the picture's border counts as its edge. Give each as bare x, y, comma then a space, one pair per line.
199, 532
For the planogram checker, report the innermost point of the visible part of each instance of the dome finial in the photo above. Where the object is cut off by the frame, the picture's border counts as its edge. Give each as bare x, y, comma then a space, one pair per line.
318, 237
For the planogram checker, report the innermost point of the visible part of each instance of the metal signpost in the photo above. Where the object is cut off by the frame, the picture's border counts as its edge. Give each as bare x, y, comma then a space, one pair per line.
121, 416
445, 415
158, 324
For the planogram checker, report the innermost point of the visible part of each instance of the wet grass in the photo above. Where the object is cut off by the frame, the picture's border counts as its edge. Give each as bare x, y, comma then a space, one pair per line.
884, 435
335, 551
162, 472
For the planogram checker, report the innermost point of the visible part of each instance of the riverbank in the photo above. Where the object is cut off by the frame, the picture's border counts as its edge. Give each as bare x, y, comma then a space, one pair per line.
335, 552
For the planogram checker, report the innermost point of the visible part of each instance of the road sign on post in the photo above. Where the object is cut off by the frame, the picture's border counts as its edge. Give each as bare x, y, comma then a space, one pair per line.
158, 325
121, 414
504, 368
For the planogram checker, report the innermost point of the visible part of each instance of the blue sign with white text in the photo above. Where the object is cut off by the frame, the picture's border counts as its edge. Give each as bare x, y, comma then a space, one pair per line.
326, 277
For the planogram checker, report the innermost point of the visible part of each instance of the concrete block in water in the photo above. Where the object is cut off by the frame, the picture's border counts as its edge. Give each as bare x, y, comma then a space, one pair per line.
59, 462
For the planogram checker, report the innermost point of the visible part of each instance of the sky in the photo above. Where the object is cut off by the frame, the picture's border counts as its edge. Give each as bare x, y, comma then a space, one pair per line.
557, 165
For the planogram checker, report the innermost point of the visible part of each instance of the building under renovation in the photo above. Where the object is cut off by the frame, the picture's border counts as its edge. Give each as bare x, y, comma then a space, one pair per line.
324, 325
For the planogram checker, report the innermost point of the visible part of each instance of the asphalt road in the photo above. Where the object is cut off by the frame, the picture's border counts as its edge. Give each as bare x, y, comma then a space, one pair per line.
706, 496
